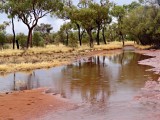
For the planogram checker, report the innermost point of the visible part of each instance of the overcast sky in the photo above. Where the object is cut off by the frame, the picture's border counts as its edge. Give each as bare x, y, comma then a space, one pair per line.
56, 23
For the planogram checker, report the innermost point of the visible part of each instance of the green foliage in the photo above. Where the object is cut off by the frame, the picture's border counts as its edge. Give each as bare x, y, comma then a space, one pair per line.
73, 42
139, 21
59, 37
143, 24
30, 11
38, 39
66, 29
119, 12
112, 33
9, 38
43, 28
2, 38
21, 37
6, 46
3, 26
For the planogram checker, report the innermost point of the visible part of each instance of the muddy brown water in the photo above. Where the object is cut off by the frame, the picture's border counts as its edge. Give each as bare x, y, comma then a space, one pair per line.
105, 85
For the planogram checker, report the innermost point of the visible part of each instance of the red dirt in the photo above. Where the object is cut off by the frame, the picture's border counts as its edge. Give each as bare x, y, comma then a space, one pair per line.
29, 104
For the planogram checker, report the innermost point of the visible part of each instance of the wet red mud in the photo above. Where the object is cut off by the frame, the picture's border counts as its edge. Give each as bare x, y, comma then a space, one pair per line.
150, 93
26, 105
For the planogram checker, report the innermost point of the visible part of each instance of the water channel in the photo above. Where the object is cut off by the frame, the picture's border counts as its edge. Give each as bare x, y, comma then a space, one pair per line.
105, 82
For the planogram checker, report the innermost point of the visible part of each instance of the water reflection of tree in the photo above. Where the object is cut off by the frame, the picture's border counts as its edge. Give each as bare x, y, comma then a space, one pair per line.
130, 69
96, 77
87, 78
134, 71
122, 59
28, 82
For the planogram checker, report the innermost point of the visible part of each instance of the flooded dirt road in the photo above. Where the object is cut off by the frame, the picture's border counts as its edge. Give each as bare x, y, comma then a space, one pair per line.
103, 86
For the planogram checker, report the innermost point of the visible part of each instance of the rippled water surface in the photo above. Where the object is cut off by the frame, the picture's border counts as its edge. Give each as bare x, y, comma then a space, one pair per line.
106, 83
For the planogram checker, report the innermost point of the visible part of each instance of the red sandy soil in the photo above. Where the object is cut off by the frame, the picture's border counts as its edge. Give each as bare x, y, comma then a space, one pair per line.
30, 104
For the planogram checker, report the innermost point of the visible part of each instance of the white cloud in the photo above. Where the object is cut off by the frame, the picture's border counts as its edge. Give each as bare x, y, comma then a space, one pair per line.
122, 2
20, 27
55, 22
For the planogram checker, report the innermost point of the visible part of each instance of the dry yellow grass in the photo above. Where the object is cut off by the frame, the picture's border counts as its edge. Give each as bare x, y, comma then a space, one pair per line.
60, 49
6, 68
49, 49
142, 47
37, 57
36, 50
113, 45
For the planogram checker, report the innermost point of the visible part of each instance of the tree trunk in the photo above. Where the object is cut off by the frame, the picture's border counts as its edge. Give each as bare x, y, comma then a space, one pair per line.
31, 42
122, 38
67, 38
17, 43
79, 34
103, 34
14, 36
98, 30
90, 38
29, 38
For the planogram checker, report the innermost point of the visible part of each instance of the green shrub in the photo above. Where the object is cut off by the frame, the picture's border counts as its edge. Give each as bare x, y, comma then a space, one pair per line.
73, 42
6, 46
2, 38
22, 39
38, 39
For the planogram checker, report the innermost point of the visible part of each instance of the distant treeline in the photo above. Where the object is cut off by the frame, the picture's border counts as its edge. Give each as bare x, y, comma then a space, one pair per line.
89, 22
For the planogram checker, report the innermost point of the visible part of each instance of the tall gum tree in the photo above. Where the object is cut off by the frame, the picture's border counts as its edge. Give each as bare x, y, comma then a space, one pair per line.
101, 15
119, 13
85, 17
30, 11
70, 12
66, 29
73, 15
4, 7
8, 10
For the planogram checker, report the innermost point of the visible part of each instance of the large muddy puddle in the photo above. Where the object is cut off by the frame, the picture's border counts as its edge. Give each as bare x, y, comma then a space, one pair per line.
105, 85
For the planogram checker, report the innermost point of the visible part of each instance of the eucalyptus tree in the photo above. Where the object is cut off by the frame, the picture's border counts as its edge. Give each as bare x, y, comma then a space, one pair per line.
3, 26
4, 7
143, 24
3, 33
119, 13
29, 12
1, 5
66, 29
84, 3
2, 38
85, 17
45, 31
43, 28
111, 32
74, 17
8, 10
101, 17
132, 6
